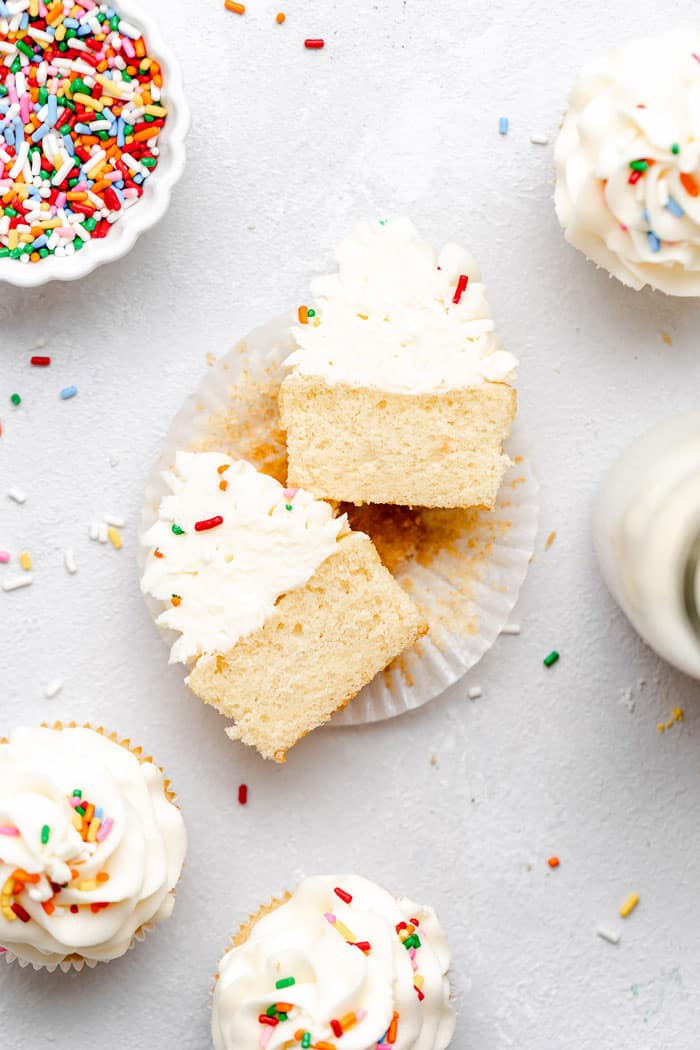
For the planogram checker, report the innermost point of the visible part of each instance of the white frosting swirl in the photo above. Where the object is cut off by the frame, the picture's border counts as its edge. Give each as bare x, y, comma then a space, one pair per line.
82, 897
227, 579
641, 221
387, 318
334, 980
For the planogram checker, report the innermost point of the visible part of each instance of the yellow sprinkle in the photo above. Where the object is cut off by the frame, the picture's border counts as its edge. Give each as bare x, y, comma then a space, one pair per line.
629, 905
9, 914
344, 931
550, 540
89, 101
418, 980
678, 714
25, 560
661, 727
156, 111
94, 828
114, 538
7, 888
60, 33
669, 725
77, 822
12, 238
87, 885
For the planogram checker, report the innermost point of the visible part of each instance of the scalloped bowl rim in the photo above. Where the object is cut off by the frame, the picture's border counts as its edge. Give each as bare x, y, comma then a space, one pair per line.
151, 208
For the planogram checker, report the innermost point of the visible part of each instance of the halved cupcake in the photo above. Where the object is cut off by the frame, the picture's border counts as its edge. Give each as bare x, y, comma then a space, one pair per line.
282, 612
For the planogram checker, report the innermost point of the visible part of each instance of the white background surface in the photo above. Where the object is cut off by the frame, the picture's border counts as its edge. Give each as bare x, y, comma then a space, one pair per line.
288, 148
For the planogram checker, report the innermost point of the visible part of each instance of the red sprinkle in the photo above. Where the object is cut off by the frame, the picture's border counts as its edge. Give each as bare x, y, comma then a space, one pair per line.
314, 44
243, 794
343, 894
272, 1021
20, 912
461, 288
635, 177
208, 523
337, 1028
40, 362
364, 946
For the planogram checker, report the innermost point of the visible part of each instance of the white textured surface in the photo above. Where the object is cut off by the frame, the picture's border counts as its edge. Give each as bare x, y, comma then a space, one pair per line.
399, 113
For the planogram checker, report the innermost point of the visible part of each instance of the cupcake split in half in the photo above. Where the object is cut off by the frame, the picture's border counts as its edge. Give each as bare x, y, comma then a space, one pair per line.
398, 391
91, 846
282, 612
338, 963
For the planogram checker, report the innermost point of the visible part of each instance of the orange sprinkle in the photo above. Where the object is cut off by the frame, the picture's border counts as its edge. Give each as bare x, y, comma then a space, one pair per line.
49, 907
231, 5
553, 862
690, 184
102, 876
303, 314
176, 600
140, 47
550, 540
222, 469
223, 485
281, 17
393, 1028
283, 1008
157, 553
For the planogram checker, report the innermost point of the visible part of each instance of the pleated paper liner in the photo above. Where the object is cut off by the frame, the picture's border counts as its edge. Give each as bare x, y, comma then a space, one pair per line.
77, 962
463, 568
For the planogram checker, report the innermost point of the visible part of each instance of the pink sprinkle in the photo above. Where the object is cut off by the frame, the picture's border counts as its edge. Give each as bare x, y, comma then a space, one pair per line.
75, 802
105, 830
9, 830
2, 951
331, 918
360, 1014
696, 57
265, 1036
4, 557
290, 493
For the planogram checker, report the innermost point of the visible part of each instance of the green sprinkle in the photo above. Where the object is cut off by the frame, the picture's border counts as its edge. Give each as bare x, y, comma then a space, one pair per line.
80, 810
675, 149
551, 659
16, 399
288, 506
271, 1010
24, 48
149, 162
77, 793
45, 832
306, 1041
639, 165
177, 530
416, 941
12, 212
311, 313
43, 96
89, 223
282, 1017
4, 252
285, 982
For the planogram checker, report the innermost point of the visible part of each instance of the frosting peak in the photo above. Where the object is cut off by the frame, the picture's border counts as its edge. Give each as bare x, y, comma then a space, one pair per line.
399, 316
227, 543
90, 846
341, 958
628, 163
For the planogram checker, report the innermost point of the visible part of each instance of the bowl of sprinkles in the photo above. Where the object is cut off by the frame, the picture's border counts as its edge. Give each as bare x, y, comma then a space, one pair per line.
93, 120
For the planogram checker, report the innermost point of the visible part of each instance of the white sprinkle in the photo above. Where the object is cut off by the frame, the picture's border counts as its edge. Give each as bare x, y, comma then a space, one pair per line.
53, 688
611, 936
539, 140
102, 533
69, 560
474, 692
16, 582
511, 628
17, 495
114, 460
115, 521
93, 530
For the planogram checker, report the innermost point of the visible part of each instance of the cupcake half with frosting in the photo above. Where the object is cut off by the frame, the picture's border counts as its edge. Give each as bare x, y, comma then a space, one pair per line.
279, 609
340, 964
91, 846
398, 391
628, 163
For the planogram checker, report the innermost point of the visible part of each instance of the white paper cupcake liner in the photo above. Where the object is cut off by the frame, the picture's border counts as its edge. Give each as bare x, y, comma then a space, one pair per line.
74, 965
467, 567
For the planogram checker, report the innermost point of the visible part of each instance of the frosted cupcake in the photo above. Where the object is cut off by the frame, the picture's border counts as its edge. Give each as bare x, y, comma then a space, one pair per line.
91, 846
338, 963
399, 391
280, 610
628, 163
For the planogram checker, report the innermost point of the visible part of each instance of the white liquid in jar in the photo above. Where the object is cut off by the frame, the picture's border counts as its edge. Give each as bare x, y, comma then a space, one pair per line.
647, 535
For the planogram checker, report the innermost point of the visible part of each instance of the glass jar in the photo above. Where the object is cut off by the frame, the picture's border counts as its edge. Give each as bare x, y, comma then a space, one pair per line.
647, 536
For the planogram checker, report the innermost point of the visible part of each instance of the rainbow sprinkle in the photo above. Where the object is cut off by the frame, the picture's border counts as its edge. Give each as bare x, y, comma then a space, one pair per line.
80, 117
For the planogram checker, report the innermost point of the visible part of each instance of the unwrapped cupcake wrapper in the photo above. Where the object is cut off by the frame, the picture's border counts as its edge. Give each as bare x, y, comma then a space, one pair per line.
465, 572
76, 963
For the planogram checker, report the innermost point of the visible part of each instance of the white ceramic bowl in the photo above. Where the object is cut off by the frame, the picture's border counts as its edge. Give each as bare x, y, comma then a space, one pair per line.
154, 203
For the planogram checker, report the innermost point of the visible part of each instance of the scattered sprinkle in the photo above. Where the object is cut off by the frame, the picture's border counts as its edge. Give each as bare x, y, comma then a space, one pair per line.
15, 582
553, 862
281, 18
69, 561
9, 830
176, 530
550, 540
102, 533
539, 140
15, 399
611, 936
511, 628
208, 523
551, 658
242, 794
4, 557
675, 149
503, 125
654, 242
53, 688
114, 538
314, 43
40, 362
675, 208
231, 5
690, 184
17, 495
45, 834
303, 314
461, 288
667, 339
629, 905
114, 520
68, 392
25, 560
474, 692
285, 982
343, 894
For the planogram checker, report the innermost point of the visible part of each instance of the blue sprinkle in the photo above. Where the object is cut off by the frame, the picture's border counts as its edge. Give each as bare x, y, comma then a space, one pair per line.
40, 242
68, 392
68, 143
53, 110
71, 23
674, 207
645, 216
24, 22
40, 133
4, 10
503, 125
10, 136
654, 242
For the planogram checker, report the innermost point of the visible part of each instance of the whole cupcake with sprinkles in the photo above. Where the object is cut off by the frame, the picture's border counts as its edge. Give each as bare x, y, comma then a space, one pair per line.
81, 111
340, 964
91, 846
628, 163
